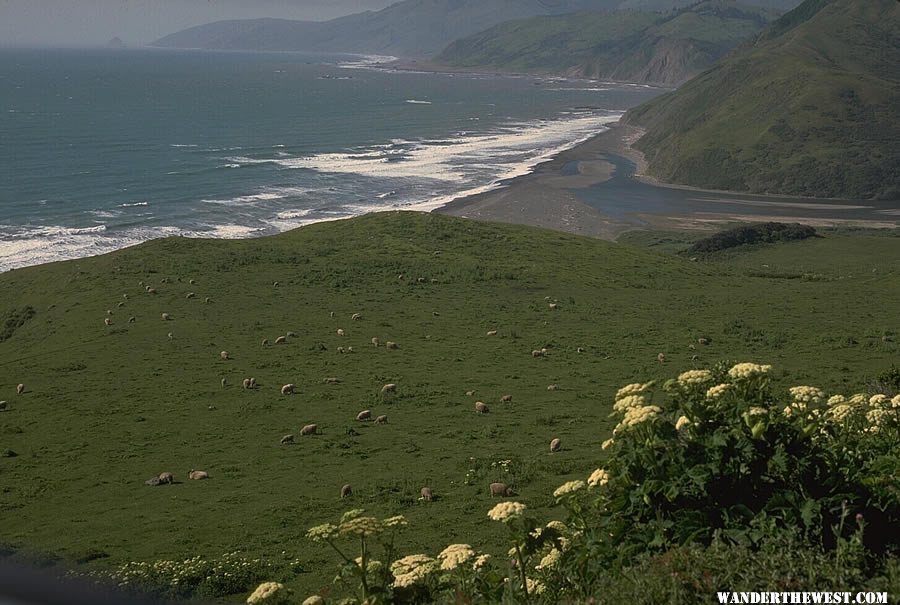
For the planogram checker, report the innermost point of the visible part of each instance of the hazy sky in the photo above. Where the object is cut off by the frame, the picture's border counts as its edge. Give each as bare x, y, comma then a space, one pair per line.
93, 22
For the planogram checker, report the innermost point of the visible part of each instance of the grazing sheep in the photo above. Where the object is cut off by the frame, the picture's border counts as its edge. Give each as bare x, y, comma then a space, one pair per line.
356, 316
224, 382
274, 284
265, 342
20, 388
340, 332
346, 491
553, 305
224, 355
190, 295
207, 300
375, 341
426, 494
381, 419
246, 383
109, 312
435, 313
553, 387
389, 388
661, 358
166, 478
391, 345
192, 281
579, 350
125, 296
281, 340
170, 336
287, 389
287, 440
702, 341
132, 319
349, 349
537, 353
506, 399
364, 415
290, 335
695, 357
502, 490
555, 445
141, 283
309, 429
481, 407
492, 332
252, 382
340, 349
470, 393
198, 475
166, 317
107, 321
421, 280
331, 380
331, 314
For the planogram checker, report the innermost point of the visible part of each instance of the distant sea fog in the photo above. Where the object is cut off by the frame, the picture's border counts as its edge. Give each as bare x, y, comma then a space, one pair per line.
102, 149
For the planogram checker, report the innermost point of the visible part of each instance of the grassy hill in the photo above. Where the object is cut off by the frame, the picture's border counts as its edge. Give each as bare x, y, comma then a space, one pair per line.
811, 108
620, 45
107, 407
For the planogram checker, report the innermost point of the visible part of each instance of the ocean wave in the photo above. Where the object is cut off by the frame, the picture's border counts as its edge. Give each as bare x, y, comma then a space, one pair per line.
183, 145
246, 199
366, 61
133, 204
418, 102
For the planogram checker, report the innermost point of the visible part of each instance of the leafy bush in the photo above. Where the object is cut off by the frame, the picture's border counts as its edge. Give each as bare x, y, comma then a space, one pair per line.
13, 320
763, 233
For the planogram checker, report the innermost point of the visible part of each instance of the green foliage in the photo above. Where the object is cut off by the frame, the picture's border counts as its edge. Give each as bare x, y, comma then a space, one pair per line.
764, 233
14, 319
809, 108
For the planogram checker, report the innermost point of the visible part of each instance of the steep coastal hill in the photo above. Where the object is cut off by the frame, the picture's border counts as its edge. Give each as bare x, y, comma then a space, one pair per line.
105, 407
811, 108
621, 45
411, 28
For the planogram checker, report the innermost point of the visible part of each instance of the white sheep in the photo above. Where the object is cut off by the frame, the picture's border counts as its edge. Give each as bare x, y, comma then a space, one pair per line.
309, 429
502, 490
166, 317
331, 380
506, 399
119, 305
287, 389
481, 407
125, 296
109, 312
287, 439
579, 350
107, 321
265, 342
252, 382
375, 341
346, 491
340, 332
553, 306
389, 388
20, 388
538, 352
349, 349
170, 335
245, 383
381, 419
198, 475
364, 415
281, 340
340, 349
555, 444
391, 345
224, 382
207, 300
132, 319
470, 393
190, 295
492, 332
553, 387
274, 284
290, 335
356, 316
661, 358
224, 355
166, 478
703, 341
192, 281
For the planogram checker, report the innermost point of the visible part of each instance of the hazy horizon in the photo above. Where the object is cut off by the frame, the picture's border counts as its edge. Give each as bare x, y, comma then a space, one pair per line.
76, 23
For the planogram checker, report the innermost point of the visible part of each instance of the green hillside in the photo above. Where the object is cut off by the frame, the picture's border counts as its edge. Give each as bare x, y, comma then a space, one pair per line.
811, 108
620, 45
107, 407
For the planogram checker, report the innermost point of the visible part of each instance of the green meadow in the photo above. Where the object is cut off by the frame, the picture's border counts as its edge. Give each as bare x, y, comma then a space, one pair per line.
107, 407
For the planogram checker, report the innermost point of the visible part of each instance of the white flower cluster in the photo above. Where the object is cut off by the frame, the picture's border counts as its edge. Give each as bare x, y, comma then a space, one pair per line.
455, 555
507, 511
694, 377
568, 488
746, 370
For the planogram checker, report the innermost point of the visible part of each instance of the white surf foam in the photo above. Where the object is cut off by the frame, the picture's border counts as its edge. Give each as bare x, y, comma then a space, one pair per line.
246, 199
417, 102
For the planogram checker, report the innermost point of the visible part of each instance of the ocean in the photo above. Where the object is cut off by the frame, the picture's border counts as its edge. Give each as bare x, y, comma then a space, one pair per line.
102, 149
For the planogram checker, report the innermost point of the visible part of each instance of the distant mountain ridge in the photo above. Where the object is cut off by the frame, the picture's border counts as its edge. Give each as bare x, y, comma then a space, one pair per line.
811, 107
620, 45
411, 28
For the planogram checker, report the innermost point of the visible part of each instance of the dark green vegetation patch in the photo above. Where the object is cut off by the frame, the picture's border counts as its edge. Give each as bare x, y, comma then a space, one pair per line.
106, 408
14, 319
764, 233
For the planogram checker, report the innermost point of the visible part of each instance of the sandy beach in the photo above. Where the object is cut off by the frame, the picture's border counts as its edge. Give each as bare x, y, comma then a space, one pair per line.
599, 189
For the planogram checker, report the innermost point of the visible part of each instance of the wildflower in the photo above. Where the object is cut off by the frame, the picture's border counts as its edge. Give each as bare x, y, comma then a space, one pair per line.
633, 389
858, 399
682, 422
507, 511
878, 400
748, 370
372, 567
568, 488
412, 569
836, 400
314, 600
322, 532
895, 402
694, 377
757, 411
454, 555
360, 526
481, 561
717, 391
788, 411
598, 478
550, 560
264, 591
534, 587
636, 416
626, 403
607, 444
559, 525
398, 521
806, 395
877, 418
